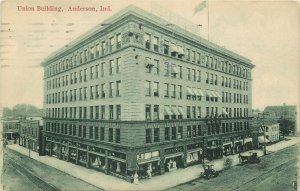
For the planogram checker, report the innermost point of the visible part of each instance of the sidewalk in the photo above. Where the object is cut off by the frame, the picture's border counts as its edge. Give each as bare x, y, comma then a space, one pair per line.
161, 182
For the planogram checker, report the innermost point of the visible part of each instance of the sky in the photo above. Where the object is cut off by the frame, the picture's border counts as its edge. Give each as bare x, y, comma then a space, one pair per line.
266, 32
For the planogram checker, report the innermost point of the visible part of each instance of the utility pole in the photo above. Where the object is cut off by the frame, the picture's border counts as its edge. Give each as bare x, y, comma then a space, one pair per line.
262, 117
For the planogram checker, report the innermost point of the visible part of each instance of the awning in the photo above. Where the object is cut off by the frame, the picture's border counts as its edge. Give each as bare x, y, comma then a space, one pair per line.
180, 110
196, 92
208, 93
247, 140
190, 91
173, 155
195, 150
175, 111
224, 111
174, 70
201, 92
211, 147
180, 50
144, 161
167, 110
227, 143
236, 141
219, 95
214, 94
116, 159
149, 63
174, 48
261, 139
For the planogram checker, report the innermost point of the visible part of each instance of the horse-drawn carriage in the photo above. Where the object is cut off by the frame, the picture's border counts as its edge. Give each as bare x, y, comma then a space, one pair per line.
249, 158
209, 172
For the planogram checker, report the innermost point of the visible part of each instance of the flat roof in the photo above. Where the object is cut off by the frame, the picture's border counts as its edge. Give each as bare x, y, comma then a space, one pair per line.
142, 14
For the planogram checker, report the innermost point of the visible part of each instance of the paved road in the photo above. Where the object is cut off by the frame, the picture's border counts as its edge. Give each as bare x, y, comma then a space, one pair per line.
276, 172
23, 173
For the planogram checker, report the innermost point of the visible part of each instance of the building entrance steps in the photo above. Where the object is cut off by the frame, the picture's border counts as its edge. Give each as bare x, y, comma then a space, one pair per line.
169, 179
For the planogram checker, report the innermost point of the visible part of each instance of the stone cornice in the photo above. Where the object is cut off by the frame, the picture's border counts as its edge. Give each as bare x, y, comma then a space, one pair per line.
133, 13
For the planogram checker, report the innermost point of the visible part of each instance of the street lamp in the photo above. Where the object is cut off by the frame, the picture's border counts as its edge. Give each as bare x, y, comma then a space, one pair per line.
262, 117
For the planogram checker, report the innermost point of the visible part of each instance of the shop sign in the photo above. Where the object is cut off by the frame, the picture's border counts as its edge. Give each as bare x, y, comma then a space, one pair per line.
173, 150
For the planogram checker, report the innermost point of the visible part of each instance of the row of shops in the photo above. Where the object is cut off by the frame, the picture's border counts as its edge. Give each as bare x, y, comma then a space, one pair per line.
30, 143
125, 163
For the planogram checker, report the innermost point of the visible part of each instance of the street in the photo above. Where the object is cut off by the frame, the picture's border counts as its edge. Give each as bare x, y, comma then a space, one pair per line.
22, 173
275, 172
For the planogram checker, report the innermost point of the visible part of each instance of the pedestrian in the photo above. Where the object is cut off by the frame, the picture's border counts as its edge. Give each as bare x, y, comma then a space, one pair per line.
136, 178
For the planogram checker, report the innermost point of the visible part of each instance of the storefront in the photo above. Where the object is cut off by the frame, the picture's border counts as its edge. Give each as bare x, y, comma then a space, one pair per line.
227, 147
248, 144
97, 158
73, 152
174, 158
194, 154
238, 145
148, 164
214, 150
116, 163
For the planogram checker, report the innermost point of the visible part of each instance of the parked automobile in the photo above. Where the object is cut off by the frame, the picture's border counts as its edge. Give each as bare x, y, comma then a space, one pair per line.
209, 172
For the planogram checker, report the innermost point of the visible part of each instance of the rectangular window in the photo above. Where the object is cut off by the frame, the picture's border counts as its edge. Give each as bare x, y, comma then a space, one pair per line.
156, 134
118, 65
102, 90
111, 67
166, 47
91, 132
102, 112
167, 133
173, 90
180, 133
147, 112
179, 91
85, 75
199, 130
110, 134
111, 43
188, 112
84, 131
102, 135
148, 135
111, 112
166, 90
92, 92
118, 112
96, 130
156, 112
155, 89
119, 40
97, 112
79, 131
189, 131
118, 88
188, 73
118, 135
102, 69
174, 133
148, 88
111, 89
155, 44
92, 72
147, 41
166, 69
91, 112
97, 50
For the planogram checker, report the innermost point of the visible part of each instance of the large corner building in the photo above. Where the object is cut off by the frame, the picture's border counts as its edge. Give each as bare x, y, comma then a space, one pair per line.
137, 93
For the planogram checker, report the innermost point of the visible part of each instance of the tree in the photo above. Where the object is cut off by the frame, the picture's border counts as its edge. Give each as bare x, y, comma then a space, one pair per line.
22, 110
286, 126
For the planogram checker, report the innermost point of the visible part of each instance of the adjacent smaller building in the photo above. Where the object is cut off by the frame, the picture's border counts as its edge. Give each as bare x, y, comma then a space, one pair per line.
272, 132
30, 133
11, 131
